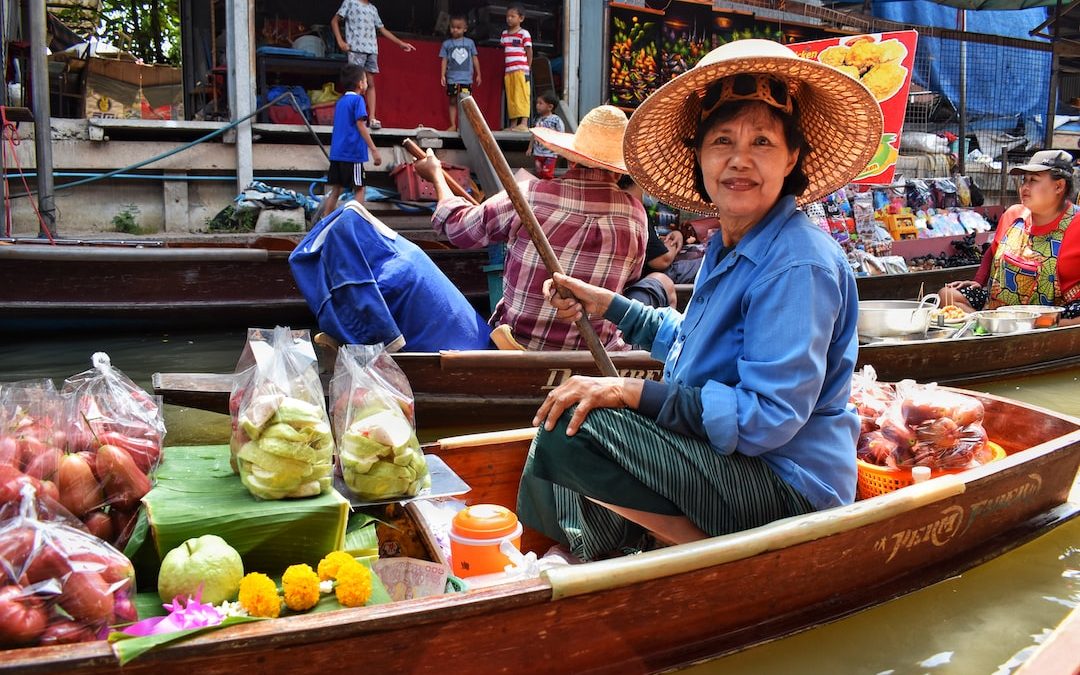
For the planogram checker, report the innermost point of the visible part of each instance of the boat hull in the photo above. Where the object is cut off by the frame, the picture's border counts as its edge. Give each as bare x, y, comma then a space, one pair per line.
663, 608
182, 285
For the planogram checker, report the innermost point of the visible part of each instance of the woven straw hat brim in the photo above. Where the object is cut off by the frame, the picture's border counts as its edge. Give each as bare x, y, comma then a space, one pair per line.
562, 144
839, 116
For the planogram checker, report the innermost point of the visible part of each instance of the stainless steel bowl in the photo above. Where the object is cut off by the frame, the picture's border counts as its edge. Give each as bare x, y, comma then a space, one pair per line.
895, 318
1048, 315
1003, 321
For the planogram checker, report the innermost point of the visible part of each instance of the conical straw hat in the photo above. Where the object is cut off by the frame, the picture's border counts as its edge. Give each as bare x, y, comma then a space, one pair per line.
598, 142
839, 116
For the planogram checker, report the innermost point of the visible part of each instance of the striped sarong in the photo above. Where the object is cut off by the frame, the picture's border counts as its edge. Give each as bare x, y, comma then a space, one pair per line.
623, 458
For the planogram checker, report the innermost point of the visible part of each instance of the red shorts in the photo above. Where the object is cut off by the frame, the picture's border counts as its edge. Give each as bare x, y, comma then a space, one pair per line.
545, 167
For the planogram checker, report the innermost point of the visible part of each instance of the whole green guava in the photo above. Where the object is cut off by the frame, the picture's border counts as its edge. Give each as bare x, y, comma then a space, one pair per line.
206, 561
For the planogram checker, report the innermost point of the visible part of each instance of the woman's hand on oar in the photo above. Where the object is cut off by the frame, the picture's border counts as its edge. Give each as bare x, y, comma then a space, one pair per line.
581, 296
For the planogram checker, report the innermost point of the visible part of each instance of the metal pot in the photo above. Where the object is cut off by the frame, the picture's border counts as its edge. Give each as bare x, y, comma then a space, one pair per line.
1003, 321
894, 318
1047, 315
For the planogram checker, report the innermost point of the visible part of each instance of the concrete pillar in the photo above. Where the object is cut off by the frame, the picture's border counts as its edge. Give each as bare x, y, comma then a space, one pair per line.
177, 209
240, 21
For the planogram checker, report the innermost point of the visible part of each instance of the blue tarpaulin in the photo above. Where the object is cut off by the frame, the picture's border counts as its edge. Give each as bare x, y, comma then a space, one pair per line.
1005, 85
366, 285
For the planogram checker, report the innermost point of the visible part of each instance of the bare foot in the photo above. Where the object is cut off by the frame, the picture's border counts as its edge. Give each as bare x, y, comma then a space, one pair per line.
451, 128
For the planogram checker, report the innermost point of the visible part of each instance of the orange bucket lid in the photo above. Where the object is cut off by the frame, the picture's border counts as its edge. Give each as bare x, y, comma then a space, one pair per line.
485, 521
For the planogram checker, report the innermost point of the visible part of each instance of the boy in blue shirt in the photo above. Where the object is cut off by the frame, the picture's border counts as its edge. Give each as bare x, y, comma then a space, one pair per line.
459, 63
351, 139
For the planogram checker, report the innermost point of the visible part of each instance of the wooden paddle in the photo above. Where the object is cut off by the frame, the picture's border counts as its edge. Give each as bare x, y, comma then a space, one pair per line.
455, 187
539, 239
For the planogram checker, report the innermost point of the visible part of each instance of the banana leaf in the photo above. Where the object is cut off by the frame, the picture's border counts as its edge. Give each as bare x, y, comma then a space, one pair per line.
197, 493
128, 647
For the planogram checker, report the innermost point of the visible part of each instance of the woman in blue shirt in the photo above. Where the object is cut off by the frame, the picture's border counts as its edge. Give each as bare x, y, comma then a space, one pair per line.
750, 423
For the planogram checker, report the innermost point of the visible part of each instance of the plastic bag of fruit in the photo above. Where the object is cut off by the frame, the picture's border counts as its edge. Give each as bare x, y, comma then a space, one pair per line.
928, 426
870, 397
281, 443
115, 411
378, 453
58, 583
33, 427
114, 443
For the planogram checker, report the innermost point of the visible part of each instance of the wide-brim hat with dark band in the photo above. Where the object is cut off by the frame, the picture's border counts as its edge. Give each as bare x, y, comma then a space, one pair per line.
598, 141
1058, 162
839, 116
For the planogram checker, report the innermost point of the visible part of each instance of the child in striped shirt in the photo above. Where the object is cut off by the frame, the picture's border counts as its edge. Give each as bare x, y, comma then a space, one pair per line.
517, 48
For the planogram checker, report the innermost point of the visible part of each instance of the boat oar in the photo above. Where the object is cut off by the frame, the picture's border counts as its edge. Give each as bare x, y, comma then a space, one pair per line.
532, 226
455, 187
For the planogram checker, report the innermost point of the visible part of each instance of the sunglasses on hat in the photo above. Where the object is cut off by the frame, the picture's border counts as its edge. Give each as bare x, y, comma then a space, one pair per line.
746, 87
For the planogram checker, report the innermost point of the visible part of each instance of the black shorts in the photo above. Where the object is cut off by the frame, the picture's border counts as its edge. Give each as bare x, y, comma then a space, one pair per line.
452, 90
346, 174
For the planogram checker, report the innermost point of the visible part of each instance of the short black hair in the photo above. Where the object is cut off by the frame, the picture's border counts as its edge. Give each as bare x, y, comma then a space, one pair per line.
517, 8
549, 97
459, 17
796, 182
350, 76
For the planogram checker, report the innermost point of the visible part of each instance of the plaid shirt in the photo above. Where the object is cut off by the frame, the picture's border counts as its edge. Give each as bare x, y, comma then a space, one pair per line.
596, 230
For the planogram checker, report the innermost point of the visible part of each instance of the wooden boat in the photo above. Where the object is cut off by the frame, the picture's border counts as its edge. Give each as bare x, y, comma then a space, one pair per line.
155, 284
973, 359
663, 608
506, 387
885, 286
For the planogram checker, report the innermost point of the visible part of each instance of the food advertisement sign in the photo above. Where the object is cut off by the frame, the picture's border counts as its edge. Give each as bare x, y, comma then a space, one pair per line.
882, 62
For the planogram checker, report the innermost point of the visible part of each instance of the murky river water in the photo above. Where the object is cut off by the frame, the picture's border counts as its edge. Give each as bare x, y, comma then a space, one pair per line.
982, 622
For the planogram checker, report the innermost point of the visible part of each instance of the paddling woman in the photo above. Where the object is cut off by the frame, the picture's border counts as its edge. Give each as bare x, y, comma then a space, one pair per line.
1035, 256
750, 423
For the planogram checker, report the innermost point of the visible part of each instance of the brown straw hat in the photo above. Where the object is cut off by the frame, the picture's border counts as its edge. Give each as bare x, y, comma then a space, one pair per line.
598, 141
839, 116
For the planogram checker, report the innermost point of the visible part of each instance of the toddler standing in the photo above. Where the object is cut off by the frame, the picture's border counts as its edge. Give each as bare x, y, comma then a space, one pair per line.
362, 46
459, 65
517, 47
350, 140
543, 157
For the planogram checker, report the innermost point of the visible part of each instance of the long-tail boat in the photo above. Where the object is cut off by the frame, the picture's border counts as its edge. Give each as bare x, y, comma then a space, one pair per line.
506, 387
663, 608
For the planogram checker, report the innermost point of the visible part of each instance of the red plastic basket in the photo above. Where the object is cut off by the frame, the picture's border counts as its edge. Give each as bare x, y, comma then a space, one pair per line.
413, 188
284, 114
324, 113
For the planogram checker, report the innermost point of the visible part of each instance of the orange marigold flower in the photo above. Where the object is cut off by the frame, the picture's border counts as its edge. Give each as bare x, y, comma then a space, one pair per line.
300, 586
259, 596
328, 566
353, 587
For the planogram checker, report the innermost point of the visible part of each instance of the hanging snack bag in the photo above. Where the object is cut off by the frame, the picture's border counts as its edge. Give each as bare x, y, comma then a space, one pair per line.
281, 442
372, 401
58, 584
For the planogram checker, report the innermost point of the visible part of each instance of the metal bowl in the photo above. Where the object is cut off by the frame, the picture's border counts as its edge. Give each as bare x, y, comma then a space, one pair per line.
895, 318
1003, 321
1047, 315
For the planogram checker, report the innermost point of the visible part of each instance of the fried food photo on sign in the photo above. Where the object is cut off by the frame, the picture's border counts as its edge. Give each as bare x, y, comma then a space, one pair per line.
875, 64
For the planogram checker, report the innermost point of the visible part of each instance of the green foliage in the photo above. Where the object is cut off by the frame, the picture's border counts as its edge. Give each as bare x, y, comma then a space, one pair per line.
149, 29
125, 221
229, 219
